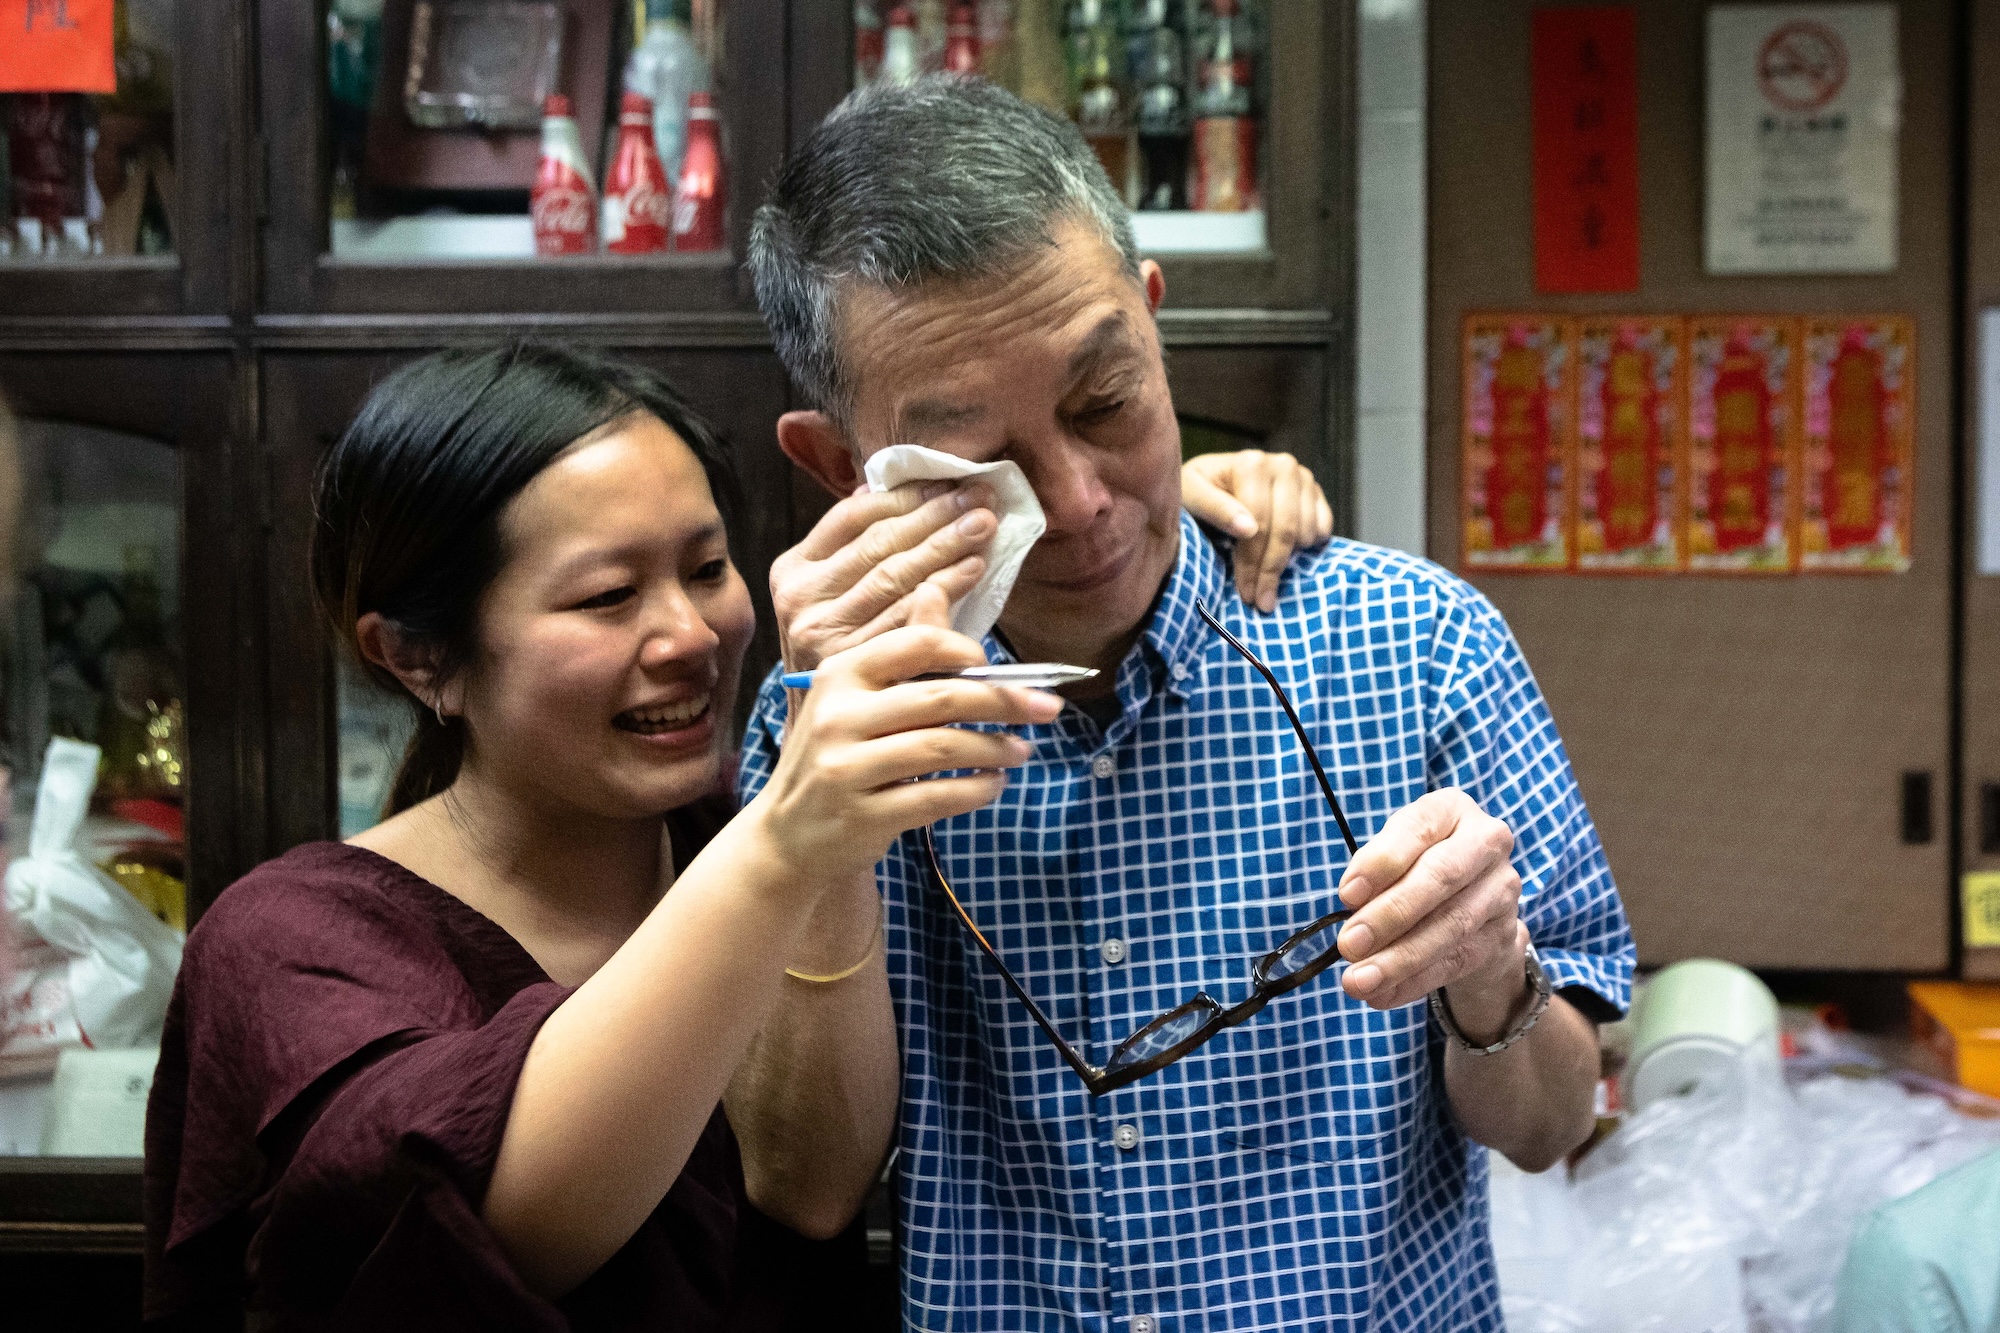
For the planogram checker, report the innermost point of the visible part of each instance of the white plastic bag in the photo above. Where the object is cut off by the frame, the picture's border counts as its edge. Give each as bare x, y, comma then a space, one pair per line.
95, 967
1725, 1211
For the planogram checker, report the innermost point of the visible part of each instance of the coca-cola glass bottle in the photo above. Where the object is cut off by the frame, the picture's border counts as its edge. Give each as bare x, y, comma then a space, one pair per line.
638, 209
702, 195
561, 202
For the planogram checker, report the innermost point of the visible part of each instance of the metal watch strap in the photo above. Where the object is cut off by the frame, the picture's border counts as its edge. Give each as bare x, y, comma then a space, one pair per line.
1535, 977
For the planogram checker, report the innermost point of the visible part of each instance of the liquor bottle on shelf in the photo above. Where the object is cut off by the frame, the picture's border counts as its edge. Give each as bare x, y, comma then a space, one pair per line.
899, 47
1143, 18
961, 45
1087, 25
1161, 116
47, 164
638, 207
561, 203
867, 42
1225, 125
702, 194
666, 68
931, 34
1100, 111
999, 60
1038, 48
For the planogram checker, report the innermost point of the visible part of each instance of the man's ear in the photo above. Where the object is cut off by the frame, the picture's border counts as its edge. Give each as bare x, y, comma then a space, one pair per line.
1155, 283
385, 646
820, 448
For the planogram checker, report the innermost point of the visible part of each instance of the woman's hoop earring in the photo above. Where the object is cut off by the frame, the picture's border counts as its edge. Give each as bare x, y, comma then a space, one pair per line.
437, 707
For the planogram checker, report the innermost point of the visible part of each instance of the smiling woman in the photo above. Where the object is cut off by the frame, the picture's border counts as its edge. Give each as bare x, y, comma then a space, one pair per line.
465, 1069
409, 506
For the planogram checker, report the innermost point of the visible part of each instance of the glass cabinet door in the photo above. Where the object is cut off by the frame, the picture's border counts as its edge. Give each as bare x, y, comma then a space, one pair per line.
597, 156
116, 749
116, 202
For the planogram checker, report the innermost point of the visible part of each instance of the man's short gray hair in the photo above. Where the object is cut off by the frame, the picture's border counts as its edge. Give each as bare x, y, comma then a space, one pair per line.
945, 178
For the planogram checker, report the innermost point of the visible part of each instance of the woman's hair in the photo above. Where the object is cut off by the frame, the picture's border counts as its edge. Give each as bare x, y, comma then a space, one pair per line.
407, 504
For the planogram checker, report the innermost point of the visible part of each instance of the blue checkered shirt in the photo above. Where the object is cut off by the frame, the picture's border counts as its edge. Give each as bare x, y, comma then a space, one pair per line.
1301, 1171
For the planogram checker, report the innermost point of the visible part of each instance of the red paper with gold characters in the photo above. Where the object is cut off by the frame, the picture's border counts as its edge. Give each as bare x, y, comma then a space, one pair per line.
1743, 444
1518, 487
1859, 379
1584, 75
1631, 448
56, 46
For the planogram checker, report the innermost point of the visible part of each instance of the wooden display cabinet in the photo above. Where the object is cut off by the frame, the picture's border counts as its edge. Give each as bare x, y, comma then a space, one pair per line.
251, 346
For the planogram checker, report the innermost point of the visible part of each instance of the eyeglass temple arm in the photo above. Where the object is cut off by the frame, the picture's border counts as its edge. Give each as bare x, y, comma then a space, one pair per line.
1086, 1071
1327, 787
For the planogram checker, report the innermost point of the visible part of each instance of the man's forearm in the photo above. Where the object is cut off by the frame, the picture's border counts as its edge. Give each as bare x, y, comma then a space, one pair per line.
814, 1104
1533, 1102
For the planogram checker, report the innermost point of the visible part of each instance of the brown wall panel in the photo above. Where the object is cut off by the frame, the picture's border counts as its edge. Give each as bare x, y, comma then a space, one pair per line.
1980, 726
1740, 742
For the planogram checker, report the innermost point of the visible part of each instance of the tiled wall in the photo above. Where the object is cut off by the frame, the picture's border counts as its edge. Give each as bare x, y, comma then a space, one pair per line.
1389, 429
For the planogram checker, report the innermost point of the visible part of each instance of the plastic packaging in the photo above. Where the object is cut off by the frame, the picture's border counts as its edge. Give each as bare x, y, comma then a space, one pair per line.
1725, 1211
96, 968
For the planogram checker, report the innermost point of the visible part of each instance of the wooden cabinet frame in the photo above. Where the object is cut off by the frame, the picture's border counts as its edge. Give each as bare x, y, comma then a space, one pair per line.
237, 346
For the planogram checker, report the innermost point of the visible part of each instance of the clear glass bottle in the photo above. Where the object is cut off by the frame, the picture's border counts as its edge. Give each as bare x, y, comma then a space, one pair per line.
667, 68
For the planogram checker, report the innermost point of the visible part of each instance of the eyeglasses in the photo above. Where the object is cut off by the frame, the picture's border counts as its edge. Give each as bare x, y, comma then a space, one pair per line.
1184, 1028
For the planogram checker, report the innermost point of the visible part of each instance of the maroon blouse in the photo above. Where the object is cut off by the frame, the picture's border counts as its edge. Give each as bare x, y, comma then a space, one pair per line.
338, 1063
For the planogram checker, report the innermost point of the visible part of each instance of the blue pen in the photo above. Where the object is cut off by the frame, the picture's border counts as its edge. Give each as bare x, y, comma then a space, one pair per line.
1028, 675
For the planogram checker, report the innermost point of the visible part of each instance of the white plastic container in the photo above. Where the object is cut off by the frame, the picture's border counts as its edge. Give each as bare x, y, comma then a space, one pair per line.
1694, 1022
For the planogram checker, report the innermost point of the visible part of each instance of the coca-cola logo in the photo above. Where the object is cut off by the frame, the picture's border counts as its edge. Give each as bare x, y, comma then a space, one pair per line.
561, 210
647, 205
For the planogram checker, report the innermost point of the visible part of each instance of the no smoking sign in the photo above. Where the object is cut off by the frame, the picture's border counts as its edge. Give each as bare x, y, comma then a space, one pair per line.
1802, 67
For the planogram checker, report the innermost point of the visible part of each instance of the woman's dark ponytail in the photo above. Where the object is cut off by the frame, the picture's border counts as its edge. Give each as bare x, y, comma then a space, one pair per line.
407, 503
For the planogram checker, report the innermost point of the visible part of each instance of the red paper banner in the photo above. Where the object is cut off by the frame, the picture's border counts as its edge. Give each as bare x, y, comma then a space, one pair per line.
1631, 448
1585, 74
1860, 443
56, 46
1742, 445
1517, 474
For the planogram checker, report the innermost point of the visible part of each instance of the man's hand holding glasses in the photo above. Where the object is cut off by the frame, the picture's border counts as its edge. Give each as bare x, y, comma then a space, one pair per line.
1435, 903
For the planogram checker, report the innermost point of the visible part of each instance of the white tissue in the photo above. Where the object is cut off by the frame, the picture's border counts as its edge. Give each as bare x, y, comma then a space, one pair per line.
1020, 513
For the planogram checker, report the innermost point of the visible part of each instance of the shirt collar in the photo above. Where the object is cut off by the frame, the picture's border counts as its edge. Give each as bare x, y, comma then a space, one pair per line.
1170, 648
1177, 636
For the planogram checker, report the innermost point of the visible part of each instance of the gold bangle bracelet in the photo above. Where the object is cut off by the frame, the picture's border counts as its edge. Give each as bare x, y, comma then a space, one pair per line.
842, 975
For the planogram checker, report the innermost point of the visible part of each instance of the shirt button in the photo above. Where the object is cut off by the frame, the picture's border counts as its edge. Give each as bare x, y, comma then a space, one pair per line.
1126, 1137
1143, 1323
1180, 673
1104, 766
1113, 950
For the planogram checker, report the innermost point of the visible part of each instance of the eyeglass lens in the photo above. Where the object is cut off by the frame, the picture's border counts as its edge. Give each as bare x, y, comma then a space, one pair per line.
1163, 1034
1299, 955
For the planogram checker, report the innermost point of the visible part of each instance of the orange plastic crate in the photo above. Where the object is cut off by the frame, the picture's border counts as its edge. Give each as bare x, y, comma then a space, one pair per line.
1961, 1023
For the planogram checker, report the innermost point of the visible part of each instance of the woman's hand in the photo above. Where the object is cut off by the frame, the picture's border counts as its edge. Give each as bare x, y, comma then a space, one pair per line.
1269, 502
842, 790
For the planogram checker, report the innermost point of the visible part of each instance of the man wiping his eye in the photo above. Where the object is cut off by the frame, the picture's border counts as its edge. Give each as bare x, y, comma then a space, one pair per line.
943, 265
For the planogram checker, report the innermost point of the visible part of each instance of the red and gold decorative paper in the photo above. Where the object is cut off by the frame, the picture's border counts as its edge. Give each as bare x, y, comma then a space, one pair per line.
1860, 443
1631, 445
1518, 481
1743, 444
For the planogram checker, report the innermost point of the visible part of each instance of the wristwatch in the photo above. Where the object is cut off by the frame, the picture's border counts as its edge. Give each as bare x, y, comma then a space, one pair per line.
1536, 977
